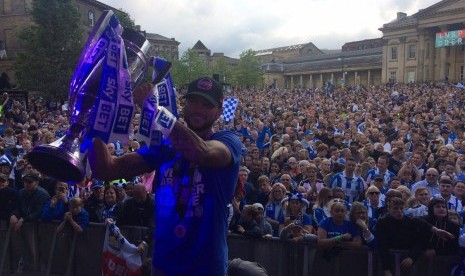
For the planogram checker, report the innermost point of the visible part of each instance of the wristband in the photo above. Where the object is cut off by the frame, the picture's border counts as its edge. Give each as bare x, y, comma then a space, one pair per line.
338, 239
144, 243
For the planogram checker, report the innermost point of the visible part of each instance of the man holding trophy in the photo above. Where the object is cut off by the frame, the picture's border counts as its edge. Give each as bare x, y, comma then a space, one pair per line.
196, 169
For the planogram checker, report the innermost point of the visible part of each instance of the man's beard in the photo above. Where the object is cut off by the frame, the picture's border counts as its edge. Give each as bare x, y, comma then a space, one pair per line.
207, 126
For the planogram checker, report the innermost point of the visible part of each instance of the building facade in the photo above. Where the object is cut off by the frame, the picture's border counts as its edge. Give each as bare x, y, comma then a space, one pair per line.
163, 46
409, 45
405, 53
16, 15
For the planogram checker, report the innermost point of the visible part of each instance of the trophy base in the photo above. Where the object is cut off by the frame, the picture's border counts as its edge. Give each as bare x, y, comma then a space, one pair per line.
57, 163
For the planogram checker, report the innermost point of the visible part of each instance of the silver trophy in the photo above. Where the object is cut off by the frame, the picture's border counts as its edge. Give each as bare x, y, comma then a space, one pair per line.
64, 159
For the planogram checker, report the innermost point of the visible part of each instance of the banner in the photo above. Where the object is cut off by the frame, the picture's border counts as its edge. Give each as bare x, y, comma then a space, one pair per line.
119, 256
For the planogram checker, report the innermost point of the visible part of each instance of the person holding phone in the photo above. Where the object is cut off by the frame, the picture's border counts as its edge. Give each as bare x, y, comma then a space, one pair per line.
57, 205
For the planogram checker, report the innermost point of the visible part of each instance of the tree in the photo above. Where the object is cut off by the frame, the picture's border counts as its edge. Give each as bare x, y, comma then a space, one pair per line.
248, 72
125, 19
222, 68
52, 47
189, 67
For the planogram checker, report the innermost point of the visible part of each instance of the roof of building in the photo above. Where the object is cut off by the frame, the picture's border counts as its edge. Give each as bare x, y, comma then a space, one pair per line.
200, 46
328, 61
284, 48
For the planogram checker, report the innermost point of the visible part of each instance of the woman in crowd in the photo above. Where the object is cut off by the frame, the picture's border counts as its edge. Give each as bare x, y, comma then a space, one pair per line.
438, 217
406, 193
321, 208
359, 216
294, 212
273, 210
373, 202
459, 190
112, 208
336, 231
275, 172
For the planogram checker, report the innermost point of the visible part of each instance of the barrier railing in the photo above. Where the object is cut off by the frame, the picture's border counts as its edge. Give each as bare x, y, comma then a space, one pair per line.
37, 249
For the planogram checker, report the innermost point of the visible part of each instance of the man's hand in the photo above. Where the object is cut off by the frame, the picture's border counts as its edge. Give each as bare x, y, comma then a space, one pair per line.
406, 263
141, 248
442, 234
141, 93
68, 216
19, 224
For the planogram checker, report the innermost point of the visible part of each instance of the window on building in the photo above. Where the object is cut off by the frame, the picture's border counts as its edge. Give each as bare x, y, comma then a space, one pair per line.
461, 73
393, 76
412, 51
393, 53
91, 18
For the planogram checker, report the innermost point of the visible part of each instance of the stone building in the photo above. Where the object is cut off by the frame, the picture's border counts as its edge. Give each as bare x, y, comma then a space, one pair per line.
406, 52
163, 46
410, 53
16, 14
212, 59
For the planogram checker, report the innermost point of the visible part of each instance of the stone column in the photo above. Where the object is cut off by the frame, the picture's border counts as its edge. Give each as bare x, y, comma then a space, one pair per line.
432, 56
292, 82
442, 58
332, 77
421, 56
369, 78
311, 81
321, 80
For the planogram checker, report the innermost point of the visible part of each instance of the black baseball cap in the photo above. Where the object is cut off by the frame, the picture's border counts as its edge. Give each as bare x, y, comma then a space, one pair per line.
207, 88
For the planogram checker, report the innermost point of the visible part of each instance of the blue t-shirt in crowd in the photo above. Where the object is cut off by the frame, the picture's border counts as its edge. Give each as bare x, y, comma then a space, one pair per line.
190, 239
334, 230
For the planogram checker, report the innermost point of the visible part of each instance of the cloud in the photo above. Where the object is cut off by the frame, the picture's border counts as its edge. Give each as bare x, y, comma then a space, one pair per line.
233, 26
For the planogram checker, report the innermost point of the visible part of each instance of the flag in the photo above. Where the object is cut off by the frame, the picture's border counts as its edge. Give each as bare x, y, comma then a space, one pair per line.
229, 107
119, 256
460, 85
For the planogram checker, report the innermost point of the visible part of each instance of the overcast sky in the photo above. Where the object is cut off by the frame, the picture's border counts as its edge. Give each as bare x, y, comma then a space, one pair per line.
233, 26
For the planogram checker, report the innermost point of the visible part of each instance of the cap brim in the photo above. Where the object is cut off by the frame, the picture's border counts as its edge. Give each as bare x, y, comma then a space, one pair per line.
203, 95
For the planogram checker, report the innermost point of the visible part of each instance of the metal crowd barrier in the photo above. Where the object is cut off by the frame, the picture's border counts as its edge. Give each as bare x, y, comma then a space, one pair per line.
37, 250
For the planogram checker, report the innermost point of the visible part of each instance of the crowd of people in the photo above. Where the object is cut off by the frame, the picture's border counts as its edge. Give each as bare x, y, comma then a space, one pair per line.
381, 166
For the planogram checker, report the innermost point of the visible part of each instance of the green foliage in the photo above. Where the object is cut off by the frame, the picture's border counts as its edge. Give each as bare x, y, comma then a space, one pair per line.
52, 47
125, 19
189, 67
248, 72
224, 70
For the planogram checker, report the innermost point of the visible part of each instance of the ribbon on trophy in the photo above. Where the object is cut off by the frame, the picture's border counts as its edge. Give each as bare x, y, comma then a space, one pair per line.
163, 95
114, 104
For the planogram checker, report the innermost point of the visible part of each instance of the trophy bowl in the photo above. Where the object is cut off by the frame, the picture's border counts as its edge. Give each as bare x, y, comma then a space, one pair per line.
65, 158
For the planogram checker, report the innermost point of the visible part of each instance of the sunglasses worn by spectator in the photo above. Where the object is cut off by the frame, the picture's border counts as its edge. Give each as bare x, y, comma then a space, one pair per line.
431, 175
374, 193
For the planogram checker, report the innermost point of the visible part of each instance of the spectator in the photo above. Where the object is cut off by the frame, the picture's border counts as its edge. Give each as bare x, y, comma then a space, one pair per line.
294, 212
76, 217
94, 204
381, 169
352, 185
247, 225
396, 231
373, 202
57, 205
111, 208
265, 190
31, 199
265, 226
358, 216
445, 192
321, 207
8, 198
138, 211
273, 209
439, 217
336, 232
430, 182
